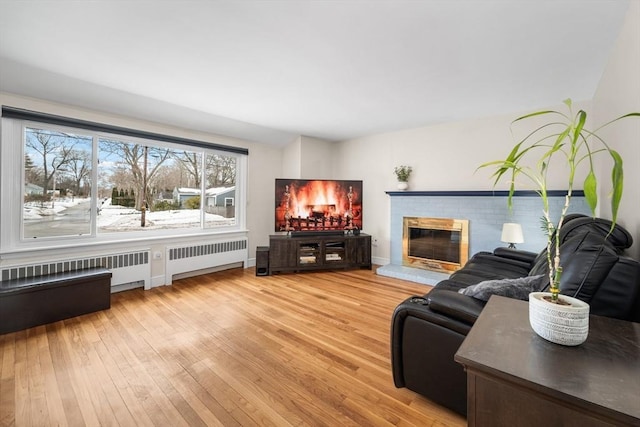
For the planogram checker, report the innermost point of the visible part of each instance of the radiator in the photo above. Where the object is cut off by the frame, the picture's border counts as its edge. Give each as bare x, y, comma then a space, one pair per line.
126, 267
183, 259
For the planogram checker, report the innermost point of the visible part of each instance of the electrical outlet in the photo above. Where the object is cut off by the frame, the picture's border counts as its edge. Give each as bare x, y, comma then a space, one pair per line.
374, 242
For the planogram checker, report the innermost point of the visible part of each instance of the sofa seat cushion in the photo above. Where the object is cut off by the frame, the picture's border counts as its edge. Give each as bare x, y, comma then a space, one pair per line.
518, 288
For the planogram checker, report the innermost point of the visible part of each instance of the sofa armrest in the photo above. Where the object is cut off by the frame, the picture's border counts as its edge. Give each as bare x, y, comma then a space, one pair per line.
516, 254
455, 305
423, 343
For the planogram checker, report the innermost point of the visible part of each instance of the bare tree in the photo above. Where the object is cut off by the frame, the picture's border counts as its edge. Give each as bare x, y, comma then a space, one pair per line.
133, 155
105, 185
120, 178
191, 163
166, 179
79, 168
221, 170
56, 150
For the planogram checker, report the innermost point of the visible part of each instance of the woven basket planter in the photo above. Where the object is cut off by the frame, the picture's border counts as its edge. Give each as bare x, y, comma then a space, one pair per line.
560, 324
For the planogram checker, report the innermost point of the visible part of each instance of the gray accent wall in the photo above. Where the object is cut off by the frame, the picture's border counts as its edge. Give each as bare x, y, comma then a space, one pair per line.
486, 214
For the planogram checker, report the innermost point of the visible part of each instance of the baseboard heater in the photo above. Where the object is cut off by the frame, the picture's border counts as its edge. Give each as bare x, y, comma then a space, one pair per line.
182, 259
127, 268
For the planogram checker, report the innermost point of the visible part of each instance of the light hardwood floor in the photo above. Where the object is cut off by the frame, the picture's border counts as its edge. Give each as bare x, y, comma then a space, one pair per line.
228, 349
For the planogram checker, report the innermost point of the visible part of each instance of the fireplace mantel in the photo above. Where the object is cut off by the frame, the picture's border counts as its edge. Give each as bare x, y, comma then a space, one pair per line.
482, 193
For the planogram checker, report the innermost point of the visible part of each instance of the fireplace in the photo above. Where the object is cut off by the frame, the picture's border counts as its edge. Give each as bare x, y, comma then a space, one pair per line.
437, 244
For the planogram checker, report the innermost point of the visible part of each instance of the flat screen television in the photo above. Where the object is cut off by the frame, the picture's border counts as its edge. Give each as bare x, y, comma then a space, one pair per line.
318, 204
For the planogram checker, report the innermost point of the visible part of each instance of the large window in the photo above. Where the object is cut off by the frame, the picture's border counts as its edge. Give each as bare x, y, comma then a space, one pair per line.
57, 183
221, 178
89, 184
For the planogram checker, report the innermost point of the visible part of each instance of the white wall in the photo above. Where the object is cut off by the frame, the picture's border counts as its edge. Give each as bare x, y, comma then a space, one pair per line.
619, 93
265, 165
316, 158
291, 162
308, 158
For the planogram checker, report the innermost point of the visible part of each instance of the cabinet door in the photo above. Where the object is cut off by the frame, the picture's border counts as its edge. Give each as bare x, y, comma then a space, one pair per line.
309, 253
361, 252
282, 253
365, 253
335, 252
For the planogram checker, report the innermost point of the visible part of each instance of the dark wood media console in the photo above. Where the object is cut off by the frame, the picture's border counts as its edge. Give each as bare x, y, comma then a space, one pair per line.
318, 252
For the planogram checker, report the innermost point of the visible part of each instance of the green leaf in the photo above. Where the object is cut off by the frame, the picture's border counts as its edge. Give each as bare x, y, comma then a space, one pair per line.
514, 152
543, 167
634, 114
617, 180
582, 117
591, 191
558, 144
512, 189
563, 140
500, 171
537, 113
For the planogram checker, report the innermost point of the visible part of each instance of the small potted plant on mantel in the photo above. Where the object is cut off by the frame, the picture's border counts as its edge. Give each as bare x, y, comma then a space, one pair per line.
564, 138
402, 173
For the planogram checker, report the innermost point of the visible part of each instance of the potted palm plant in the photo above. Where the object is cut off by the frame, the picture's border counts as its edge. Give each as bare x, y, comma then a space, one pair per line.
565, 141
402, 174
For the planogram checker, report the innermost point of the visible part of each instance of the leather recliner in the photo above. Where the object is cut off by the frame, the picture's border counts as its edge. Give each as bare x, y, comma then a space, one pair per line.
426, 331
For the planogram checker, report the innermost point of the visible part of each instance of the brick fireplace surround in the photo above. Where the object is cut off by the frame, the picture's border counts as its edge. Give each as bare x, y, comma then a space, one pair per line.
486, 212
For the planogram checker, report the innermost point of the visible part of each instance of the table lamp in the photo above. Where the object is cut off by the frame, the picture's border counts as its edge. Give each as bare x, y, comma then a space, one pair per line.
512, 234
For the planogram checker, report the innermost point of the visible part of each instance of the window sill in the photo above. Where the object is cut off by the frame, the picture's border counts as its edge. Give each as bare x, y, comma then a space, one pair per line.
116, 242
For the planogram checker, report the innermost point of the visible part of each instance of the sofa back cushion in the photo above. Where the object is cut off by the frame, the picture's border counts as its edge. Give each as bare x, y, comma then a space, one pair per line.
619, 238
594, 272
576, 225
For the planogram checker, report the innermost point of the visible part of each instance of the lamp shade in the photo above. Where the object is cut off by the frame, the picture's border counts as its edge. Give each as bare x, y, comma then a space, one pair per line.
512, 233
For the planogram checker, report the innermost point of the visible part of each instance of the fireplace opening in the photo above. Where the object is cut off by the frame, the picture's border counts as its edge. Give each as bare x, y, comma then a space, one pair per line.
443, 245
438, 244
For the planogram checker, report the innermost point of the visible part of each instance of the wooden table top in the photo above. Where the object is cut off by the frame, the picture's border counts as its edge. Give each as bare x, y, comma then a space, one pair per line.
603, 371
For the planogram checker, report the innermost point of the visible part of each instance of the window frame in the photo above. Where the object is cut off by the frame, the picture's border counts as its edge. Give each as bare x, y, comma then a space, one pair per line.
12, 182
93, 203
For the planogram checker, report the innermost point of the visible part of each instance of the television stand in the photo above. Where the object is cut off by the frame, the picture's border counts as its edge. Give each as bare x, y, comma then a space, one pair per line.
318, 252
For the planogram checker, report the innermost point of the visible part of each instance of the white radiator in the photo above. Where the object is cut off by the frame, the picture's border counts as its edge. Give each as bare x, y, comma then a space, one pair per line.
182, 259
126, 267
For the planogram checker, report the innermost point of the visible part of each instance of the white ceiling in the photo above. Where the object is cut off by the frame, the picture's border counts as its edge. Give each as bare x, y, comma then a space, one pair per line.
270, 70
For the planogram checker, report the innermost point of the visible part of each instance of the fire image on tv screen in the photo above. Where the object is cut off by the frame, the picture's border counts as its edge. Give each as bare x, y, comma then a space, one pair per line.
317, 204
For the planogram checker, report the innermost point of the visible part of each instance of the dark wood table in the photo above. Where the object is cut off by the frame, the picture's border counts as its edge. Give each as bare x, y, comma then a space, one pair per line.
516, 378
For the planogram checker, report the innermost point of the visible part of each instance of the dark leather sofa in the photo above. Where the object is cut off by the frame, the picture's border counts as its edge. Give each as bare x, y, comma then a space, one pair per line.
426, 331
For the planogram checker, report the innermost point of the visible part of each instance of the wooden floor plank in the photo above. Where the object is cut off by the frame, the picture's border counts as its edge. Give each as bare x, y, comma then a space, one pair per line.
7, 379
227, 348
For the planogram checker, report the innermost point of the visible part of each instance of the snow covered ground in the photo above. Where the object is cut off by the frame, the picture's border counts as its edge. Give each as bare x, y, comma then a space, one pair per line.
33, 210
119, 218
